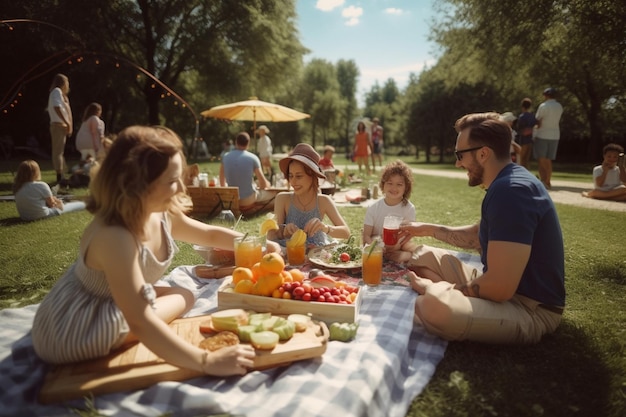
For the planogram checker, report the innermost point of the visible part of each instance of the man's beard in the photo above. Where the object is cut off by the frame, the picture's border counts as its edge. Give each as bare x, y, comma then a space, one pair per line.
475, 174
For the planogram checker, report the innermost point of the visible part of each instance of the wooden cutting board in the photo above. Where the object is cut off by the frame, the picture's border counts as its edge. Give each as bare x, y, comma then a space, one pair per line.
136, 367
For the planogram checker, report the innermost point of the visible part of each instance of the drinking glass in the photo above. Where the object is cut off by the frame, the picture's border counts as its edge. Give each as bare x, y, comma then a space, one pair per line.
391, 227
295, 253
248, 251
372, 269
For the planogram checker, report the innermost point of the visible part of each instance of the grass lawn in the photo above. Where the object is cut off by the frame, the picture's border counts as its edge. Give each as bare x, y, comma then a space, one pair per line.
578, 371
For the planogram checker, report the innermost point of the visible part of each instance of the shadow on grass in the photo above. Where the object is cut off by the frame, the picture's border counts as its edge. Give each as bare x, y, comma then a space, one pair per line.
612, 273
562, 375
12, 221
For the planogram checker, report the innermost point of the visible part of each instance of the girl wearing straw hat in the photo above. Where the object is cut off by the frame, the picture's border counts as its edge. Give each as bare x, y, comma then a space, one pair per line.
304, 207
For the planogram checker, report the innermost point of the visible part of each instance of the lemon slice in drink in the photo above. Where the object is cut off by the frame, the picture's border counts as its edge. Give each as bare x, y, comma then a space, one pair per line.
267, 225
297, 239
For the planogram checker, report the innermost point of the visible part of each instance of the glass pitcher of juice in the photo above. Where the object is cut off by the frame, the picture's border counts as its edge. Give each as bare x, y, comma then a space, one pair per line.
248, 251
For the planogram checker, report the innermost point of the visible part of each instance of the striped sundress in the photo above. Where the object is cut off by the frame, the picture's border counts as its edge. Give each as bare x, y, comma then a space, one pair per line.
78, 319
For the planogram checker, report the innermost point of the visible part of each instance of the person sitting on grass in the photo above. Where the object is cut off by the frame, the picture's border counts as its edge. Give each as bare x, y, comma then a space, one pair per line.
110, 296
326, 162
609, 179
304, 207
34, 199
396, 183
519, 295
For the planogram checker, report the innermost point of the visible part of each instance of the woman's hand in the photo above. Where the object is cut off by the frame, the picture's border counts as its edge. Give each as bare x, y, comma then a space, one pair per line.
313, 226
231, 360
289, 230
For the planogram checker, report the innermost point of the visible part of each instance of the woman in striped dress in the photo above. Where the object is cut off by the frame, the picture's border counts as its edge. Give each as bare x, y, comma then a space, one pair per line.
109, 296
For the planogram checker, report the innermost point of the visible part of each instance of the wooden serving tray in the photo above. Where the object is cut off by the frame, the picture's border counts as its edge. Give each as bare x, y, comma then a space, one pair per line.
136, 367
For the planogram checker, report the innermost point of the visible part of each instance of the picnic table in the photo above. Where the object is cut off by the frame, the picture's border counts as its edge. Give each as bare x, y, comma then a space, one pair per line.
377, 374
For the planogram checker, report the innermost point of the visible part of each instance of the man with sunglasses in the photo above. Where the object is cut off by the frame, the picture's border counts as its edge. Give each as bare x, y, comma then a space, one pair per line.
520, 294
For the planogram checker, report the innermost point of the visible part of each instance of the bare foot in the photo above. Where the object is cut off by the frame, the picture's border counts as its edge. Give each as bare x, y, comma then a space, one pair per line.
419, 284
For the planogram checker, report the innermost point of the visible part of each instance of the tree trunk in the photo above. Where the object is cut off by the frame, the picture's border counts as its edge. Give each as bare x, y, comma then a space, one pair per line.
152, 99
594, 118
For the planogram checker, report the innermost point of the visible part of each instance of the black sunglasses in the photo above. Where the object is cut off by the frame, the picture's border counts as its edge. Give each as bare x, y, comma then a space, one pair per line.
459, 154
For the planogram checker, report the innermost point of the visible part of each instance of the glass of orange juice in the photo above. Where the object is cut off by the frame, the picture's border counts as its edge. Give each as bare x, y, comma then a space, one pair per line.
248, 251
295, 253
372, 269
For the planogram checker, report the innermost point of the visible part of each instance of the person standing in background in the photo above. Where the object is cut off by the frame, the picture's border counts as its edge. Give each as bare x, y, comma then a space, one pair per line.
525, 126
362, 147
509, 118
548, 134
60, 121
264, 147
91, 132
377, 143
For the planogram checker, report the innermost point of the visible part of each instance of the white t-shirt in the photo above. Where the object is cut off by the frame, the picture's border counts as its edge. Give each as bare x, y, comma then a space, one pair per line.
611, 181
30, 200
375, 214
55, 99
549, 114
264, 147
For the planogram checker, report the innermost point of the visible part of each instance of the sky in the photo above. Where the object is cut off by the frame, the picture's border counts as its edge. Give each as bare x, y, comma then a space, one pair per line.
385, 38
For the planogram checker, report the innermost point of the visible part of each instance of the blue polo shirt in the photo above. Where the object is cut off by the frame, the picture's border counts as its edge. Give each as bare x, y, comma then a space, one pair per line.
517, 208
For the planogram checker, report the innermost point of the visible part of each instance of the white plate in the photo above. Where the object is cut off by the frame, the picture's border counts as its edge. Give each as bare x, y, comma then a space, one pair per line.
321, 257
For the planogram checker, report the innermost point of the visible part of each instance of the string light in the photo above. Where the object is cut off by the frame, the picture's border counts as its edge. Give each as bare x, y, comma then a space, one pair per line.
79, 59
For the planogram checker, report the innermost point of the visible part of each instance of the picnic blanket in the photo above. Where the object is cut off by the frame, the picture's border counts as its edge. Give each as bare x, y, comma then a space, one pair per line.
377, 374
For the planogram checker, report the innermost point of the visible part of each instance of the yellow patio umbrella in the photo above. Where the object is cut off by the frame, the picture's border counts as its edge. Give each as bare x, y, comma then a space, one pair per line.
255, 110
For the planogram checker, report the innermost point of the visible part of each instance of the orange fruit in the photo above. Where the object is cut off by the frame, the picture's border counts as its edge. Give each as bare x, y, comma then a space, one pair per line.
241, 273
256, 271
244, 287
268, 283
297, 275
286, 276
277, 293
287, 295
272, 263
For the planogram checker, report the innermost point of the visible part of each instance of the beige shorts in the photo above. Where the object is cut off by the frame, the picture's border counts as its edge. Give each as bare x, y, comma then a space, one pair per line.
448, 313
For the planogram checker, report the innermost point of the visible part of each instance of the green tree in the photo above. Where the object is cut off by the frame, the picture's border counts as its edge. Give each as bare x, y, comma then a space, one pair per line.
320, 97
576, 46
227, 50
347, 75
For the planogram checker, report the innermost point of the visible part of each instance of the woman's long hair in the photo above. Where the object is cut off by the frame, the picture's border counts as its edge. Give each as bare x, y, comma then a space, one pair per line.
138, 157
27, 171
91, 110
60, 80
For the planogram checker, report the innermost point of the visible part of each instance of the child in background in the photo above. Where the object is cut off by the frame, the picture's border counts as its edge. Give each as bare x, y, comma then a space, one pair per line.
396, 183
326, 163
609, 179
34, 199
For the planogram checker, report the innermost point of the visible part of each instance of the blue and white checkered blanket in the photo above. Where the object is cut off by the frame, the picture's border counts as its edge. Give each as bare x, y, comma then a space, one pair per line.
377, 374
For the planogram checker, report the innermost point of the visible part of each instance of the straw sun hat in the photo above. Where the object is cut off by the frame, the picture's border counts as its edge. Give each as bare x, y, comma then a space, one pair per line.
305, 154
